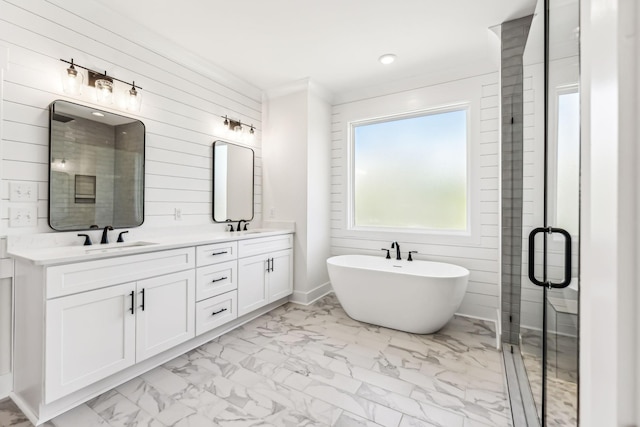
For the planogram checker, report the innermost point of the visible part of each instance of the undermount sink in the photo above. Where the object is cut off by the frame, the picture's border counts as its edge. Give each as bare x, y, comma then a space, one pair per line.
256, 231
118, 246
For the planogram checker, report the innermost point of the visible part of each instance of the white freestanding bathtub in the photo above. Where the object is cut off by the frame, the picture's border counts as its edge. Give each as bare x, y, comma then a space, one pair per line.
418, 296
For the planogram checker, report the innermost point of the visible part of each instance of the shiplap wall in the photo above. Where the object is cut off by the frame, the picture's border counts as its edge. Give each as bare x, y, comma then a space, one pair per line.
181, 105
479, 253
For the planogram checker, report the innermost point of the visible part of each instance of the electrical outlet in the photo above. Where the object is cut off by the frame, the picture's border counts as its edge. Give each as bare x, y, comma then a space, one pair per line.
23, 216
23, 191
177, 214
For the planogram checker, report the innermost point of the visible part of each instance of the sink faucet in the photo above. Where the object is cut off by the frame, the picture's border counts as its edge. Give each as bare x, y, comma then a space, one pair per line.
240, 223
397, 247
105, 234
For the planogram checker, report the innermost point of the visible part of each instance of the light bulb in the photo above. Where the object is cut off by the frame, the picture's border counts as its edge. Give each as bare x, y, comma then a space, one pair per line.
104, 91
133, 98
72, 81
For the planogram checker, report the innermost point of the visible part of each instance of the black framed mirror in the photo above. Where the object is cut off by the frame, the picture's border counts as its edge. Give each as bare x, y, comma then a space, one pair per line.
233, 180
96, 168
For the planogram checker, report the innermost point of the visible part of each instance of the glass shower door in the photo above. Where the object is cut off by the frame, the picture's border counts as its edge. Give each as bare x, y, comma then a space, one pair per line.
551, 219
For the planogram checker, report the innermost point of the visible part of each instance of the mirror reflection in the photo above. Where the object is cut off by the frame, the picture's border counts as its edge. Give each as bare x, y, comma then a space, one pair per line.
232, 182
96, 174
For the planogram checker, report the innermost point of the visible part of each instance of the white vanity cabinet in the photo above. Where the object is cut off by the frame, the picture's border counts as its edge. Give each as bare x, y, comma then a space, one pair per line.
265, 271
217, 282
81, 322
88, 324
91, 335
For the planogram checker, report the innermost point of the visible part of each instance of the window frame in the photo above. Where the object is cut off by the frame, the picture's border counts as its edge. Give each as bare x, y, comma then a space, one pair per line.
465, 106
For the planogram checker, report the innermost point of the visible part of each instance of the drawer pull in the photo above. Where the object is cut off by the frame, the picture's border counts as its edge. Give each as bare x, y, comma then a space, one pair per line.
218, 253
142, 306
132, 294
219, 311
217, 280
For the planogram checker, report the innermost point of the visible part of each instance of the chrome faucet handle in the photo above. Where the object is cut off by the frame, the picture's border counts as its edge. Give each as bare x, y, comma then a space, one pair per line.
409, 257
120, 238
388, 255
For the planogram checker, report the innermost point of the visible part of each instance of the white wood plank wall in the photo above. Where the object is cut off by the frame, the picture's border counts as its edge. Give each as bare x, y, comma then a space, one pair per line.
480, 254
181, 106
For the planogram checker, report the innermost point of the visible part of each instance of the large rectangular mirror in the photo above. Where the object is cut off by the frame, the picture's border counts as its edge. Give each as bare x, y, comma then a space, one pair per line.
232, 182
96, 168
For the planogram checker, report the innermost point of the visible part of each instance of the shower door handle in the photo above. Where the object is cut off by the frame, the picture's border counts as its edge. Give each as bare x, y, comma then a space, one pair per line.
567, 257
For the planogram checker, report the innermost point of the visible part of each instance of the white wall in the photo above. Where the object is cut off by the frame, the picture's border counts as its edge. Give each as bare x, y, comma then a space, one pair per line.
181, 105
296, 178
478, 252
610, 259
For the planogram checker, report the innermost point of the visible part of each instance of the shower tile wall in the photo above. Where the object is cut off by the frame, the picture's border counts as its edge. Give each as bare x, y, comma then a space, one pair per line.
514, 36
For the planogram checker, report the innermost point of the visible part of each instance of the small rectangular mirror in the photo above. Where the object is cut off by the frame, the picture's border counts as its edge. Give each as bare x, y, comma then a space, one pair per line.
96, 168
232, 182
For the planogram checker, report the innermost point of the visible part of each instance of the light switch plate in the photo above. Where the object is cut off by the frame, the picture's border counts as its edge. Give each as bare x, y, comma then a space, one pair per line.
23, 216
21, 191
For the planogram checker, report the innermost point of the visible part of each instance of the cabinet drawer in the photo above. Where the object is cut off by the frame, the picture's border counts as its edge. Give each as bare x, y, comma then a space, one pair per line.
216, 279
261, 245
216, 311
218, 252
84, 276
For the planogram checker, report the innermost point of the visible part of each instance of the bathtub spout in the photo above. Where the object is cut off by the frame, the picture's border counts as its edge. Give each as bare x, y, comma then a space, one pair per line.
397, 247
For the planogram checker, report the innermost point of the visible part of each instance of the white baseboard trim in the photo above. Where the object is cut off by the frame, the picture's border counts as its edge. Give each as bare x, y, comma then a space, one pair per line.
6, 385
309, 297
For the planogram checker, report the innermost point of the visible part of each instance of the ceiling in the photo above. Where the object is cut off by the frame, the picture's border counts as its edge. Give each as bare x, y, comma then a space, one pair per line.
336, 43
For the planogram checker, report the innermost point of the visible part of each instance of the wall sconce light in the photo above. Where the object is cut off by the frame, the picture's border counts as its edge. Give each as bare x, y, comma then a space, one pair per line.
72, 83
234, 128
72, 80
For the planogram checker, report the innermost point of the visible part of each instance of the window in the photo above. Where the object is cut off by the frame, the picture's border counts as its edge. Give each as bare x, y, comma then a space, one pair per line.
568, 161
411, 172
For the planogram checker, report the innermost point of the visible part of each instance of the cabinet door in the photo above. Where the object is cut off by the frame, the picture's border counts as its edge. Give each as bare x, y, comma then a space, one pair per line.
252, 289
89, 336
281, 275
165, 313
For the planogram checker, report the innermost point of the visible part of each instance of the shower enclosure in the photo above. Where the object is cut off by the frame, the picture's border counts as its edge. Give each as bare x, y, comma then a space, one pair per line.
549, 304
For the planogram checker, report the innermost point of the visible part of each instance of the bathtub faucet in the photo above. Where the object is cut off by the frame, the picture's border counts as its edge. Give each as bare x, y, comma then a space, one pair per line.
397, 247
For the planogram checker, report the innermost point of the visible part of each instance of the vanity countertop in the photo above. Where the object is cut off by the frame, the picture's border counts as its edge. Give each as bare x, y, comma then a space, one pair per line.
55, 255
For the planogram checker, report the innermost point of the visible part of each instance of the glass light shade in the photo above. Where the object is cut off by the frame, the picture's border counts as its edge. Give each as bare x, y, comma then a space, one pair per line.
72, 81
104, 91
133, 99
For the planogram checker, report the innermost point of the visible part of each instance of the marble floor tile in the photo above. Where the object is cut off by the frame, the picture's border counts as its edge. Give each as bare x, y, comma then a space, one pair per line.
10, 415
312, 366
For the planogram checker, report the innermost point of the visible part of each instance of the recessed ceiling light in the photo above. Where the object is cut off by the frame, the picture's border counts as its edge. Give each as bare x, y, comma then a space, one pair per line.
96, 113
387, 58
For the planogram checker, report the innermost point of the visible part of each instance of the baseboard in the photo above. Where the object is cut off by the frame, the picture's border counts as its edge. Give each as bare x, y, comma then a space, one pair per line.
309, 297
6, 385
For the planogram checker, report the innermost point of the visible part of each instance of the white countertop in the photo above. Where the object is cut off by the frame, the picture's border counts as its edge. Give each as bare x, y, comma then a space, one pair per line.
77, 253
